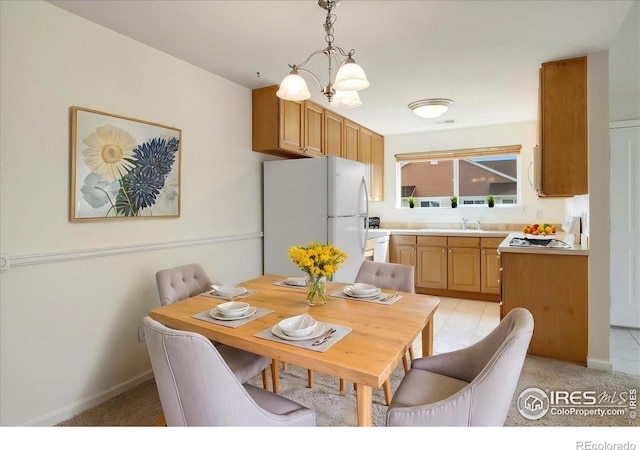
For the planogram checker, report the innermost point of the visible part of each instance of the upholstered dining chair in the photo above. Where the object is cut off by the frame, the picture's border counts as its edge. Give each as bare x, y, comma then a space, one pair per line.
397, 277
473, 386
181, 282
197, 387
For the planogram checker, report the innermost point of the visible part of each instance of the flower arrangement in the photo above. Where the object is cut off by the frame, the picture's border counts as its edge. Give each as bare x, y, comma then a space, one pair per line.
318, 261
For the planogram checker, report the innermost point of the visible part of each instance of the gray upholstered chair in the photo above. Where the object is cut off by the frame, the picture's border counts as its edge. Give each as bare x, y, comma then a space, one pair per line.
473, 386
182, 282
197, 387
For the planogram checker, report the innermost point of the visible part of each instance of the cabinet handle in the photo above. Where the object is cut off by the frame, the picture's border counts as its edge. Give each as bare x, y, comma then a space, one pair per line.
484, 252
443, 250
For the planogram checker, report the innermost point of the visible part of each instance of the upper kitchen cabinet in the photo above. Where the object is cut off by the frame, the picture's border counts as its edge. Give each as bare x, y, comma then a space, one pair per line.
277, 125
561, 156
377, 168
334, 135
313, 126
351, 133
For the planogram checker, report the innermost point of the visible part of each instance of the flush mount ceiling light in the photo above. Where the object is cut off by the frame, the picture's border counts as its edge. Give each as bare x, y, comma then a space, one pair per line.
350, 78
431, 108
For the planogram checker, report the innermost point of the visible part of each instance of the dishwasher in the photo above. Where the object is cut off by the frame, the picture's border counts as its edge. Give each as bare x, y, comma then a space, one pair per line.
381, 249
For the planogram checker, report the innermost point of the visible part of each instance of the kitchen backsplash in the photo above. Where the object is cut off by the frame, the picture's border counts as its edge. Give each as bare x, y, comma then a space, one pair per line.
450, 226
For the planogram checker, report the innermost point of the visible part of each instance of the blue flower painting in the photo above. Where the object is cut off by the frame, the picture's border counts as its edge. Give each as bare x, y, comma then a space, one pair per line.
129, 168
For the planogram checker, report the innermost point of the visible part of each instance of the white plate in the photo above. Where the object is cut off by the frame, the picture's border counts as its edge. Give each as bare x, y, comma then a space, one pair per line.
540, 237
295, 281
350, 293
318, 330
228, 291
216, 315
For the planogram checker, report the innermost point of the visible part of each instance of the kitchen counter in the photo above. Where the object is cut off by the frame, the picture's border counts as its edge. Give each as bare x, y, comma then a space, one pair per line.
575, 250
442, 232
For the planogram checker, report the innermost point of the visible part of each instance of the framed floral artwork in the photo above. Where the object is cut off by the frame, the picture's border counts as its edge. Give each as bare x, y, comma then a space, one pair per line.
123, 167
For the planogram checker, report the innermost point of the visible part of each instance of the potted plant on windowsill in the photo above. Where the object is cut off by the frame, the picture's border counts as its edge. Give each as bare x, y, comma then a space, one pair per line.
412, 202
491, 200
454, 202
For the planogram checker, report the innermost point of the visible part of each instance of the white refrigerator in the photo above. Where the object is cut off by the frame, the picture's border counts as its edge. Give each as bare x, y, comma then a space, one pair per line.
314, 199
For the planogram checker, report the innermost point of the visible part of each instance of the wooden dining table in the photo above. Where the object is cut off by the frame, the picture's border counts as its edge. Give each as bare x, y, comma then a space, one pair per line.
379, 338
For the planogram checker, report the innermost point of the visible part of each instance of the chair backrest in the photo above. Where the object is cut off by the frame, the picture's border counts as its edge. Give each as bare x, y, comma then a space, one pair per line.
197, 387
181, 282
491, 367
387, 275
498, 361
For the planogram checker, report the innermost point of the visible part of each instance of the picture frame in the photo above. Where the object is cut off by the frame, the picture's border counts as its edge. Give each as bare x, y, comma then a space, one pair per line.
123, 167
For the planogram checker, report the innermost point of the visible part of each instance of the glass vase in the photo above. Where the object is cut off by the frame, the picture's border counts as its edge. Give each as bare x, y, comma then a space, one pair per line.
316, 290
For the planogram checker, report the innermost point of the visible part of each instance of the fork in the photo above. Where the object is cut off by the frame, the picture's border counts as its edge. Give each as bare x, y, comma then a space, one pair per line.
325, 337
389, 297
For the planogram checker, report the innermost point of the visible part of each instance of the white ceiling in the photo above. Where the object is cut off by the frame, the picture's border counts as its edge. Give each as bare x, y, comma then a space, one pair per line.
484, 55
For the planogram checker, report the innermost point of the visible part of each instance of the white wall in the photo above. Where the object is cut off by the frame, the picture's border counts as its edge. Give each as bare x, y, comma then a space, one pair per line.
75, 294
529, 210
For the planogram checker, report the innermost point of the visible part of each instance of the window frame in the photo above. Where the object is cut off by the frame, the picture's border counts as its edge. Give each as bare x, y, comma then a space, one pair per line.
453, 155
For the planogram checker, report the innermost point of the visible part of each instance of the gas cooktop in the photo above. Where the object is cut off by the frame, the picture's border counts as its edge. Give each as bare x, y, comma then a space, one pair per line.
549, 243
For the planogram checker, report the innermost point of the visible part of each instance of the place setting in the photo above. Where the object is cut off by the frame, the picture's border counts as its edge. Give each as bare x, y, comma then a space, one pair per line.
293, 282
232, 314
367, 293
306, 332
223, 292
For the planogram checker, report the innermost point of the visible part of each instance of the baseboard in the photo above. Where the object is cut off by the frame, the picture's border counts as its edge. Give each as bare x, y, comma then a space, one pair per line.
67, 412
600, 364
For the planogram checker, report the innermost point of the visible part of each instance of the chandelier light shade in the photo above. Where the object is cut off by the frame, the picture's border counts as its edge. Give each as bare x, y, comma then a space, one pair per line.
346, 99
293, 87
431, 108
349, 78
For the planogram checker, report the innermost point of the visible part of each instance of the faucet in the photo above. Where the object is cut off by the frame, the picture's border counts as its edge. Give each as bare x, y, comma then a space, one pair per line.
478, 223
464, 223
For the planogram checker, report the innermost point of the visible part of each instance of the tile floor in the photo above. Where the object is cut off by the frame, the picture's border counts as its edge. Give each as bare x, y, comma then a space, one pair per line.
459, 323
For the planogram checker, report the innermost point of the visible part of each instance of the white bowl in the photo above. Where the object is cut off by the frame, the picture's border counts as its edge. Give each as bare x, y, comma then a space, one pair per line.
363, 288
298, 326
232, 309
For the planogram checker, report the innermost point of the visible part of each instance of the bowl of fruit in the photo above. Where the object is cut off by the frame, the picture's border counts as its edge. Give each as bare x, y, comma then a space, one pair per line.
540, 231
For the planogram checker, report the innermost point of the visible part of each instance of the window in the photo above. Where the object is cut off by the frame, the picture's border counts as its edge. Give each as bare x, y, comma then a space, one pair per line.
432, 178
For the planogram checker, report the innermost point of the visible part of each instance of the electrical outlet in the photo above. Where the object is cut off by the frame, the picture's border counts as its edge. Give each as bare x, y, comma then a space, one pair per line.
141, 333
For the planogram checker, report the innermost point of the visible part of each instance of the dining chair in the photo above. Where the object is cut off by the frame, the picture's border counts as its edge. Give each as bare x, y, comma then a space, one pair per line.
473, 386
181, 282
197, 387
393, 276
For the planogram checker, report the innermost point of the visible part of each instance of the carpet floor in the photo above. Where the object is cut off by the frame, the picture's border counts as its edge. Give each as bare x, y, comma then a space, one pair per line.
140, 406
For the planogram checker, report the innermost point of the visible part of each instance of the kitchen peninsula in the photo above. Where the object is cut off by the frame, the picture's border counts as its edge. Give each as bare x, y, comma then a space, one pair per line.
552, 283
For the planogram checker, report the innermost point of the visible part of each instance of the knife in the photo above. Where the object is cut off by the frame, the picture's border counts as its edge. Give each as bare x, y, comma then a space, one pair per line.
325, 337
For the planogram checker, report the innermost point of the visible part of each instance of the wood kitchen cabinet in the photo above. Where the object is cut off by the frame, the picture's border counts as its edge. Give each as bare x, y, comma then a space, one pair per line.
431, 262
402, 249
377, 168
277, 124
463, 265
490, 265
351, 132
364, 154
334, 139
554, 288
561, 156
313, 126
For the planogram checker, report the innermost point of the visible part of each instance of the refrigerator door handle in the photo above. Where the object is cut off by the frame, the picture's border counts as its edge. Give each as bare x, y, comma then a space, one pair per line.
366, 218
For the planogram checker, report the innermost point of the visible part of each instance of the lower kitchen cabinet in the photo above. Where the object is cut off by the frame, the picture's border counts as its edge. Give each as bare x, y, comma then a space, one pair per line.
490, 265
431, 262
402, 250
554, 288
463, 265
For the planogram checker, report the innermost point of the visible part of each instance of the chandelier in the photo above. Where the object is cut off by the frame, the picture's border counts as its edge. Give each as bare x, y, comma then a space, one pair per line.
349, 79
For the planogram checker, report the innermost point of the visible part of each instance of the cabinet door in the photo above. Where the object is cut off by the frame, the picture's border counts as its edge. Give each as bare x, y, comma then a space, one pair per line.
558, 303
490, 271
464, 269
564, 127
364, 155
313, 121
333, 134
377, 168
406, 254
291, 126
351, 140
431, 269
